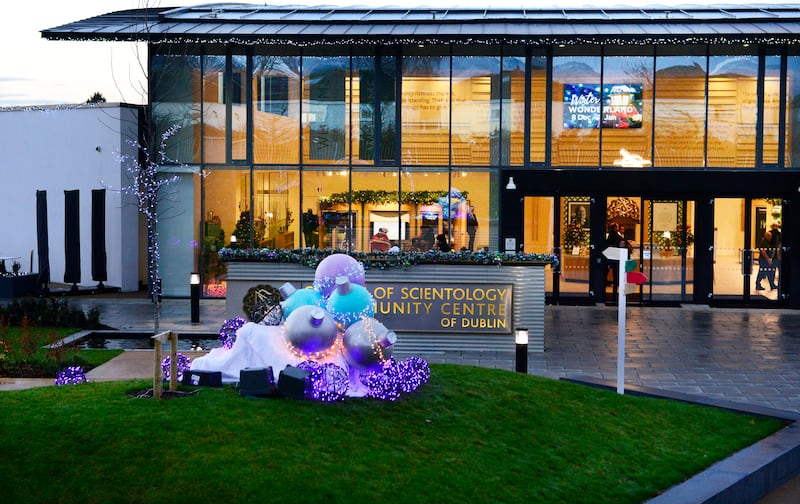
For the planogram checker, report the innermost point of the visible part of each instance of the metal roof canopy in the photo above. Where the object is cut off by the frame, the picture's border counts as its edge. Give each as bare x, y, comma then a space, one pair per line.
314, 25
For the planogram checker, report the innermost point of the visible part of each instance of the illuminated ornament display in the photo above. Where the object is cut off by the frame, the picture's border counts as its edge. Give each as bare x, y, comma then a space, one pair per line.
72, 375
414, 371
383, 381
227, 333
294, 298
334, 266
327, 383
310, 331
350, 302
367, 343
184, 363
451, 204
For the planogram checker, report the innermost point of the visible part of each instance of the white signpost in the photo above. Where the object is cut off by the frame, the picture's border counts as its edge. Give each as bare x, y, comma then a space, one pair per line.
621, 255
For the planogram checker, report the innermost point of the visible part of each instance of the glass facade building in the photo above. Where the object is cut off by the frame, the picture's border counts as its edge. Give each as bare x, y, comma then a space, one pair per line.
502, 130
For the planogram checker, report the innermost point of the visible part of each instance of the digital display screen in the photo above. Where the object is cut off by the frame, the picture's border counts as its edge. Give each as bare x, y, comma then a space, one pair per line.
612, 106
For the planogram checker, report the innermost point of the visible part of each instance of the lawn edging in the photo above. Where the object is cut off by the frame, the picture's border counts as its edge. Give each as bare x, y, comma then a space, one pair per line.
746, 476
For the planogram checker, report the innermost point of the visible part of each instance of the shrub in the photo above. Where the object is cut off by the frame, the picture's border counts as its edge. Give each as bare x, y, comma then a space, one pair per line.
49, 313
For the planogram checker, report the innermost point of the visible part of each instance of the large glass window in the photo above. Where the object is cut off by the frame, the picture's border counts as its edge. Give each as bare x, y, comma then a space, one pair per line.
386, 85
732, 107
538, 109
276, 109
375, 206
425, 198
425, 108
226, 202
576, 106
275, 211
238, 110
330, 190
680, 108
175, 84
627, 115
512, 102
326, 88
793, 110
214, 112
476, 98
772, 108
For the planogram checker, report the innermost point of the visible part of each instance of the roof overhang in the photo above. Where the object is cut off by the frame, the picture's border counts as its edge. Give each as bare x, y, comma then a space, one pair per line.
309, 25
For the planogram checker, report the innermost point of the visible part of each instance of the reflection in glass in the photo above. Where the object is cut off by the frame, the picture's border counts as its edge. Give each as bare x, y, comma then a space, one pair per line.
426, 110
680, 109
214, 111
175, 83
576, 111
276, 109
325, 119
732, 100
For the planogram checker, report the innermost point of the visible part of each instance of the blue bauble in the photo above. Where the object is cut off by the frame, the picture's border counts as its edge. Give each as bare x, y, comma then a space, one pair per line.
350, 302
295, 298
336, 265
310, 330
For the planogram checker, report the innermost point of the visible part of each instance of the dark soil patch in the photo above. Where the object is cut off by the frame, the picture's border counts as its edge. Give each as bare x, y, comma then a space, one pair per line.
165, 394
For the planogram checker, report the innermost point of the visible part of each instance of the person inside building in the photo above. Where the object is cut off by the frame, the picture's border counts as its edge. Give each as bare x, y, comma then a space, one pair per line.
777, 246
441, 243
472, 227
310, 228
380, 241
766, 268
424, 241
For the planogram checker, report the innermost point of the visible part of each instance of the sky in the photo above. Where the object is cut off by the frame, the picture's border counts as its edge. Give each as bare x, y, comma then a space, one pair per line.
35, 71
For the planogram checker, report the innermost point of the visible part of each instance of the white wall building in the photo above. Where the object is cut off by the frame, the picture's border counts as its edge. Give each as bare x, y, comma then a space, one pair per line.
62, 148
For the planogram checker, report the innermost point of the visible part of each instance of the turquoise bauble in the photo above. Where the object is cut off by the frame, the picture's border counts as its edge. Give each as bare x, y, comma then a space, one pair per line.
350, 302
295, 298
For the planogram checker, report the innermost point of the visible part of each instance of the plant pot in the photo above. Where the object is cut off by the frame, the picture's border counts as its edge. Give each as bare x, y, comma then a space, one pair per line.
19, 285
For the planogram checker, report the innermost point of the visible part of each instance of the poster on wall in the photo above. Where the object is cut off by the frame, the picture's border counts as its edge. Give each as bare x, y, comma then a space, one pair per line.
612, 106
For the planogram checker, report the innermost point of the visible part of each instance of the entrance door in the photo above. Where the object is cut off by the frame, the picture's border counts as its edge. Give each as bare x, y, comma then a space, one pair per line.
747, 250
667, 250
560, 226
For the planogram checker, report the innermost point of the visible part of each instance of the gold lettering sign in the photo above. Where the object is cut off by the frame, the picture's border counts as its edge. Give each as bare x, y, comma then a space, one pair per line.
469, 308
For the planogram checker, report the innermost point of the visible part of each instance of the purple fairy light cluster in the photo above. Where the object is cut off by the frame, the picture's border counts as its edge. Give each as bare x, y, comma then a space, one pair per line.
227, 333
72, 375
183, 363
391, 378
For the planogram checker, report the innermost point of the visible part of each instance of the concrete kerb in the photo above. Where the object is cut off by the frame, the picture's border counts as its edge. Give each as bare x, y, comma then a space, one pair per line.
745, 476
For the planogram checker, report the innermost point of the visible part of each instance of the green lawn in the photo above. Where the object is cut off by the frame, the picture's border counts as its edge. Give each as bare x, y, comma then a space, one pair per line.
468, 435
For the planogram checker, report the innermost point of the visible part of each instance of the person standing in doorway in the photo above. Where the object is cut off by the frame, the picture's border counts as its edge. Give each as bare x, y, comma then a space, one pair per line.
472, 227
310, 227
766, 268
777, 251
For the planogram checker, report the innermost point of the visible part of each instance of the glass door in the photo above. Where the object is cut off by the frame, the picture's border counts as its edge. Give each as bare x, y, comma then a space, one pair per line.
539, 233
667, 252
747, 250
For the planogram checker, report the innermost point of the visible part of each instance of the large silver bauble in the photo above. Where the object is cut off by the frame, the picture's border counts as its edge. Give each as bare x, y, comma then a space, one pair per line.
367, 342
310, 329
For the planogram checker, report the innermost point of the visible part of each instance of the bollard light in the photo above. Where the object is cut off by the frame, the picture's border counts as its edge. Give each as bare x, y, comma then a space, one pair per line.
521, 339
194, 287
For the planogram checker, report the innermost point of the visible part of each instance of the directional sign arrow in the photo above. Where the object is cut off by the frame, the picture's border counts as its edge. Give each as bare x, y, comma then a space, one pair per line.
636, 277
613, 253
